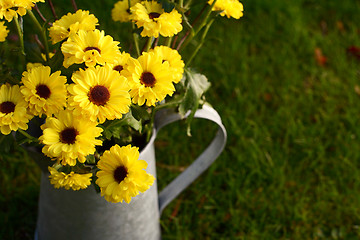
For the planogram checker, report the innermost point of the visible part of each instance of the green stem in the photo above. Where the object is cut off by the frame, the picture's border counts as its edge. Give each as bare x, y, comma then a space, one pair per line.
168, 41
203, 23
171, 104
206, 30
42, 32
187, 4
21, 39
192, 33
134, 35
136, 41
28, 136
148, 44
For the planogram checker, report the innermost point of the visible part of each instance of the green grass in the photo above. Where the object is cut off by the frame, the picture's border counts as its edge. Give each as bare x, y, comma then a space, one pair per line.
290, 169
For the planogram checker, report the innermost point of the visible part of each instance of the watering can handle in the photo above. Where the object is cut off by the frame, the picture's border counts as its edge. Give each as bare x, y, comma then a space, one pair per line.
206, 158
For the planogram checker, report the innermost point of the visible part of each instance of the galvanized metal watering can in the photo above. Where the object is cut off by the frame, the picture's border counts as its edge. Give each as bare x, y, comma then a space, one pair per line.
65, 214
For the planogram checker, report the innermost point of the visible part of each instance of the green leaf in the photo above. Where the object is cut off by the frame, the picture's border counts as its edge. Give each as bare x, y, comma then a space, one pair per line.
133, 122
188, 102
90, 159
93, 181
115, 128
198, 82
107, 134
56, 61
167, 5
33, 53
140, 113
197, 85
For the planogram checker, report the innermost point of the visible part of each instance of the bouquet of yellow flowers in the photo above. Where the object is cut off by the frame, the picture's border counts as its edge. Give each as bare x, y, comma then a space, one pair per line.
92, 102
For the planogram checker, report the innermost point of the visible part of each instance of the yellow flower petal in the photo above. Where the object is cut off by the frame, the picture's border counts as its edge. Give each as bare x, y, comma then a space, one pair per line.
121, 175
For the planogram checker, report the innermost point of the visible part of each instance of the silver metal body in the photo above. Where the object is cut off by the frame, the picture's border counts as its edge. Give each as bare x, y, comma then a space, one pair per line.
84, 214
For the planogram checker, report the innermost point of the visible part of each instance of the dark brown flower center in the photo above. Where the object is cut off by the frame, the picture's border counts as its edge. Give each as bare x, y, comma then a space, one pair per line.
43, 91
148, 79
92, 48
120, 174
68, 135
153, 15
99, 95
118, 68
7, 107
128, 11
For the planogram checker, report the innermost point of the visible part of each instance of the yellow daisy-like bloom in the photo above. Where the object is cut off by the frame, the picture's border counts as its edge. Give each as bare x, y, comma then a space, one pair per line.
13, 109
11, 8
91, 48
170, 23
154, 20
45, 92
150, 80
228, 8
3, 32
121, 11
173, 58
121, 62
121, 175
99, 93
72, 180
71, 24
69, 138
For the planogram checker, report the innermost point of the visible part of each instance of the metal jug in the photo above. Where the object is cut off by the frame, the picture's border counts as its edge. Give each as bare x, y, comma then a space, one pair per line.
84, 214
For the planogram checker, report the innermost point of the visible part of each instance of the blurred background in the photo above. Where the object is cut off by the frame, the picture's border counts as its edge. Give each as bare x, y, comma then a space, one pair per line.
286, 82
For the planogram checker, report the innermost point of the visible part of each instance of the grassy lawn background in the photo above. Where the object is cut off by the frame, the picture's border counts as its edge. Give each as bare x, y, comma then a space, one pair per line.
290, 169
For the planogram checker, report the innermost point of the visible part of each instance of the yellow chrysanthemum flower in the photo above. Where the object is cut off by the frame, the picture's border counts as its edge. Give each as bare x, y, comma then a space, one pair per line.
45, 92
71, 24
121, 175
150, 80
13, 109
154, 20
121, 62
99, 93
146, 12
72, 180
173, 58
170, 23
121, 11
230, 8
11, 8
3, 32
69, 138
91, 48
